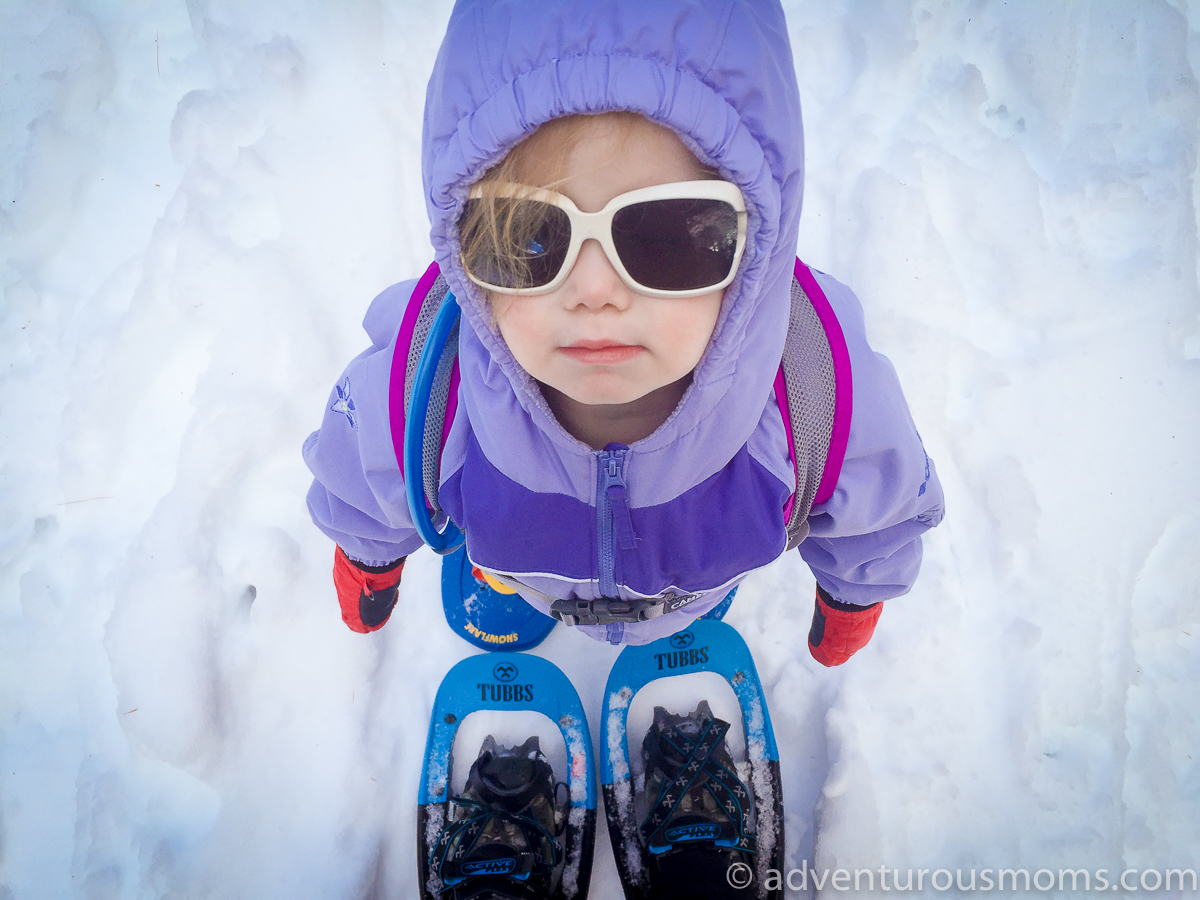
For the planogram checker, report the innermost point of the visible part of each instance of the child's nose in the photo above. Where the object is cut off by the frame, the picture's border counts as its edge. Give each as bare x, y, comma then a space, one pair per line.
593, 281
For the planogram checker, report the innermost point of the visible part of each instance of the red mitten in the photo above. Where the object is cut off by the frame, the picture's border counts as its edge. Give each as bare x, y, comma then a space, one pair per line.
366, 593
839, 630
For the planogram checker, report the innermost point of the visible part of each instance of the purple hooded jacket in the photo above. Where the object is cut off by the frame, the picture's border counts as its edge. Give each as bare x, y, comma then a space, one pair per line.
706, 491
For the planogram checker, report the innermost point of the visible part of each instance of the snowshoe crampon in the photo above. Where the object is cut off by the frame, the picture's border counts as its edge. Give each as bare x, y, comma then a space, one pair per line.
695, 821
518, 830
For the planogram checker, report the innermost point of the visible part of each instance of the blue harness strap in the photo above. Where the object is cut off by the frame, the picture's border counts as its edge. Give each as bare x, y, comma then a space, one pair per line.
451, 856
425, 427
663, 827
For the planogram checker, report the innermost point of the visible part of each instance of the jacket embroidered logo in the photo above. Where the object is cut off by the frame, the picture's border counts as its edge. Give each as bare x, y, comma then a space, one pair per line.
343, 404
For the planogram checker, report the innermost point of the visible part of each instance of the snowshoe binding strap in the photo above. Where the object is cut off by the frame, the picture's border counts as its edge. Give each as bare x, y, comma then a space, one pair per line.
691, 766
502, 844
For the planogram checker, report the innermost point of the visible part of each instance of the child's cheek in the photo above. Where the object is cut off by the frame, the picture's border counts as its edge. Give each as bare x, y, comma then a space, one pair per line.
690, 325
522, 329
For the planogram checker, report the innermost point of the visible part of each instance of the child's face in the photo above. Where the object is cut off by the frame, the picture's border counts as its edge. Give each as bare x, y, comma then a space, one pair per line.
595, 339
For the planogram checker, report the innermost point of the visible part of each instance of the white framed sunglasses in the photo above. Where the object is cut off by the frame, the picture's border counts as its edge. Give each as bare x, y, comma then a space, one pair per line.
671, 240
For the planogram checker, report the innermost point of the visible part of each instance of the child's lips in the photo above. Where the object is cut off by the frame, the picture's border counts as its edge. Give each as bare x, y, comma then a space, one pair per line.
601, 352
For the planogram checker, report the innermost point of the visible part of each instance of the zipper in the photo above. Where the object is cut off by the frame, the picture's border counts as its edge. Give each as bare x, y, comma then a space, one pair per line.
614, 527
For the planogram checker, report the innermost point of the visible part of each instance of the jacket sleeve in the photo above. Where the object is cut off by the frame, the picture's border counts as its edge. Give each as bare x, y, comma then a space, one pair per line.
864, 543
357, 495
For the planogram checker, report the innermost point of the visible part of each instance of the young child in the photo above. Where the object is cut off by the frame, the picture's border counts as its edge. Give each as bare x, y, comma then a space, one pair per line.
614, 192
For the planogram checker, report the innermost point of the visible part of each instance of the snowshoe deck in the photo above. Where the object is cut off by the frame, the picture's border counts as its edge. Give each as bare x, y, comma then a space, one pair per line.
463, 852
484, 616
676, 830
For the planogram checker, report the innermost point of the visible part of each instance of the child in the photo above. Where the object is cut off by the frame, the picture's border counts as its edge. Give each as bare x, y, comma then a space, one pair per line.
618, 445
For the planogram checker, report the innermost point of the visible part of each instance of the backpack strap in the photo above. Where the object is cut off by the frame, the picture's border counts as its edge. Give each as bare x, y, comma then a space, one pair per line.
442, 401
814, 390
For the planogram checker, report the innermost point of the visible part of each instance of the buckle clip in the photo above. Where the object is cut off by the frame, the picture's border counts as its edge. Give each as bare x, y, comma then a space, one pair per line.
610, 610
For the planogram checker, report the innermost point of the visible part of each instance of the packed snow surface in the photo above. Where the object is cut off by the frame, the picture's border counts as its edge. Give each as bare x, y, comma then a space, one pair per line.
197, 202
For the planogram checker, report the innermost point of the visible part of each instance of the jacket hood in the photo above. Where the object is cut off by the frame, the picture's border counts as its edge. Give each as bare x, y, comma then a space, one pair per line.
720, 75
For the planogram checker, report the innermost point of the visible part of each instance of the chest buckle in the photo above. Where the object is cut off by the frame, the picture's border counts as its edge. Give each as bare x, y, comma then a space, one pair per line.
610, 610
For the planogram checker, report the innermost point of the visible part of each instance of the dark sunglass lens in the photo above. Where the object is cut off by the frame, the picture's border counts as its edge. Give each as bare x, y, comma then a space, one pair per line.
677, 245
517, 244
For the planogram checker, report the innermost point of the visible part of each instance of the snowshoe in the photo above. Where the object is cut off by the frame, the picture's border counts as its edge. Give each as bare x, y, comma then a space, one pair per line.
516, 830
488, 618
502, 839
695, 821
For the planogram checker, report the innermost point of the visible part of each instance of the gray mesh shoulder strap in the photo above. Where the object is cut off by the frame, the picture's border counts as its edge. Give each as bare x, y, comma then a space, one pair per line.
439, 396
811, 399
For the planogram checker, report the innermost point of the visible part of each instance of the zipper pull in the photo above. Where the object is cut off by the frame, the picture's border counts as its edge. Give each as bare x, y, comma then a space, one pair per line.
615, 490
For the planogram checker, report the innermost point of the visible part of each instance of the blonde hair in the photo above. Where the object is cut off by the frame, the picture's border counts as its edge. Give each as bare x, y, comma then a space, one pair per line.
493, 227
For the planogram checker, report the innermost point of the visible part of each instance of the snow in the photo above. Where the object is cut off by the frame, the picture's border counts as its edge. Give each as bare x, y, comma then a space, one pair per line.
198, 202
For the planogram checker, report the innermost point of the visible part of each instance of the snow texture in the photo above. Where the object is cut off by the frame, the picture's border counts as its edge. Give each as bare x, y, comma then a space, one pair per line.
433, 830
621, 757
576, 819
197, 202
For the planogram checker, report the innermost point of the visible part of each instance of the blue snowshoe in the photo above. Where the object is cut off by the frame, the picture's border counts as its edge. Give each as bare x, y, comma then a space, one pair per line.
517, 830
695, 822
486, 617
504, 837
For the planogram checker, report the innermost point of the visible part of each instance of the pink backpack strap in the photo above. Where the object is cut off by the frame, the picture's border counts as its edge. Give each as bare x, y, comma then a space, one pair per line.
418, 318
814, 389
